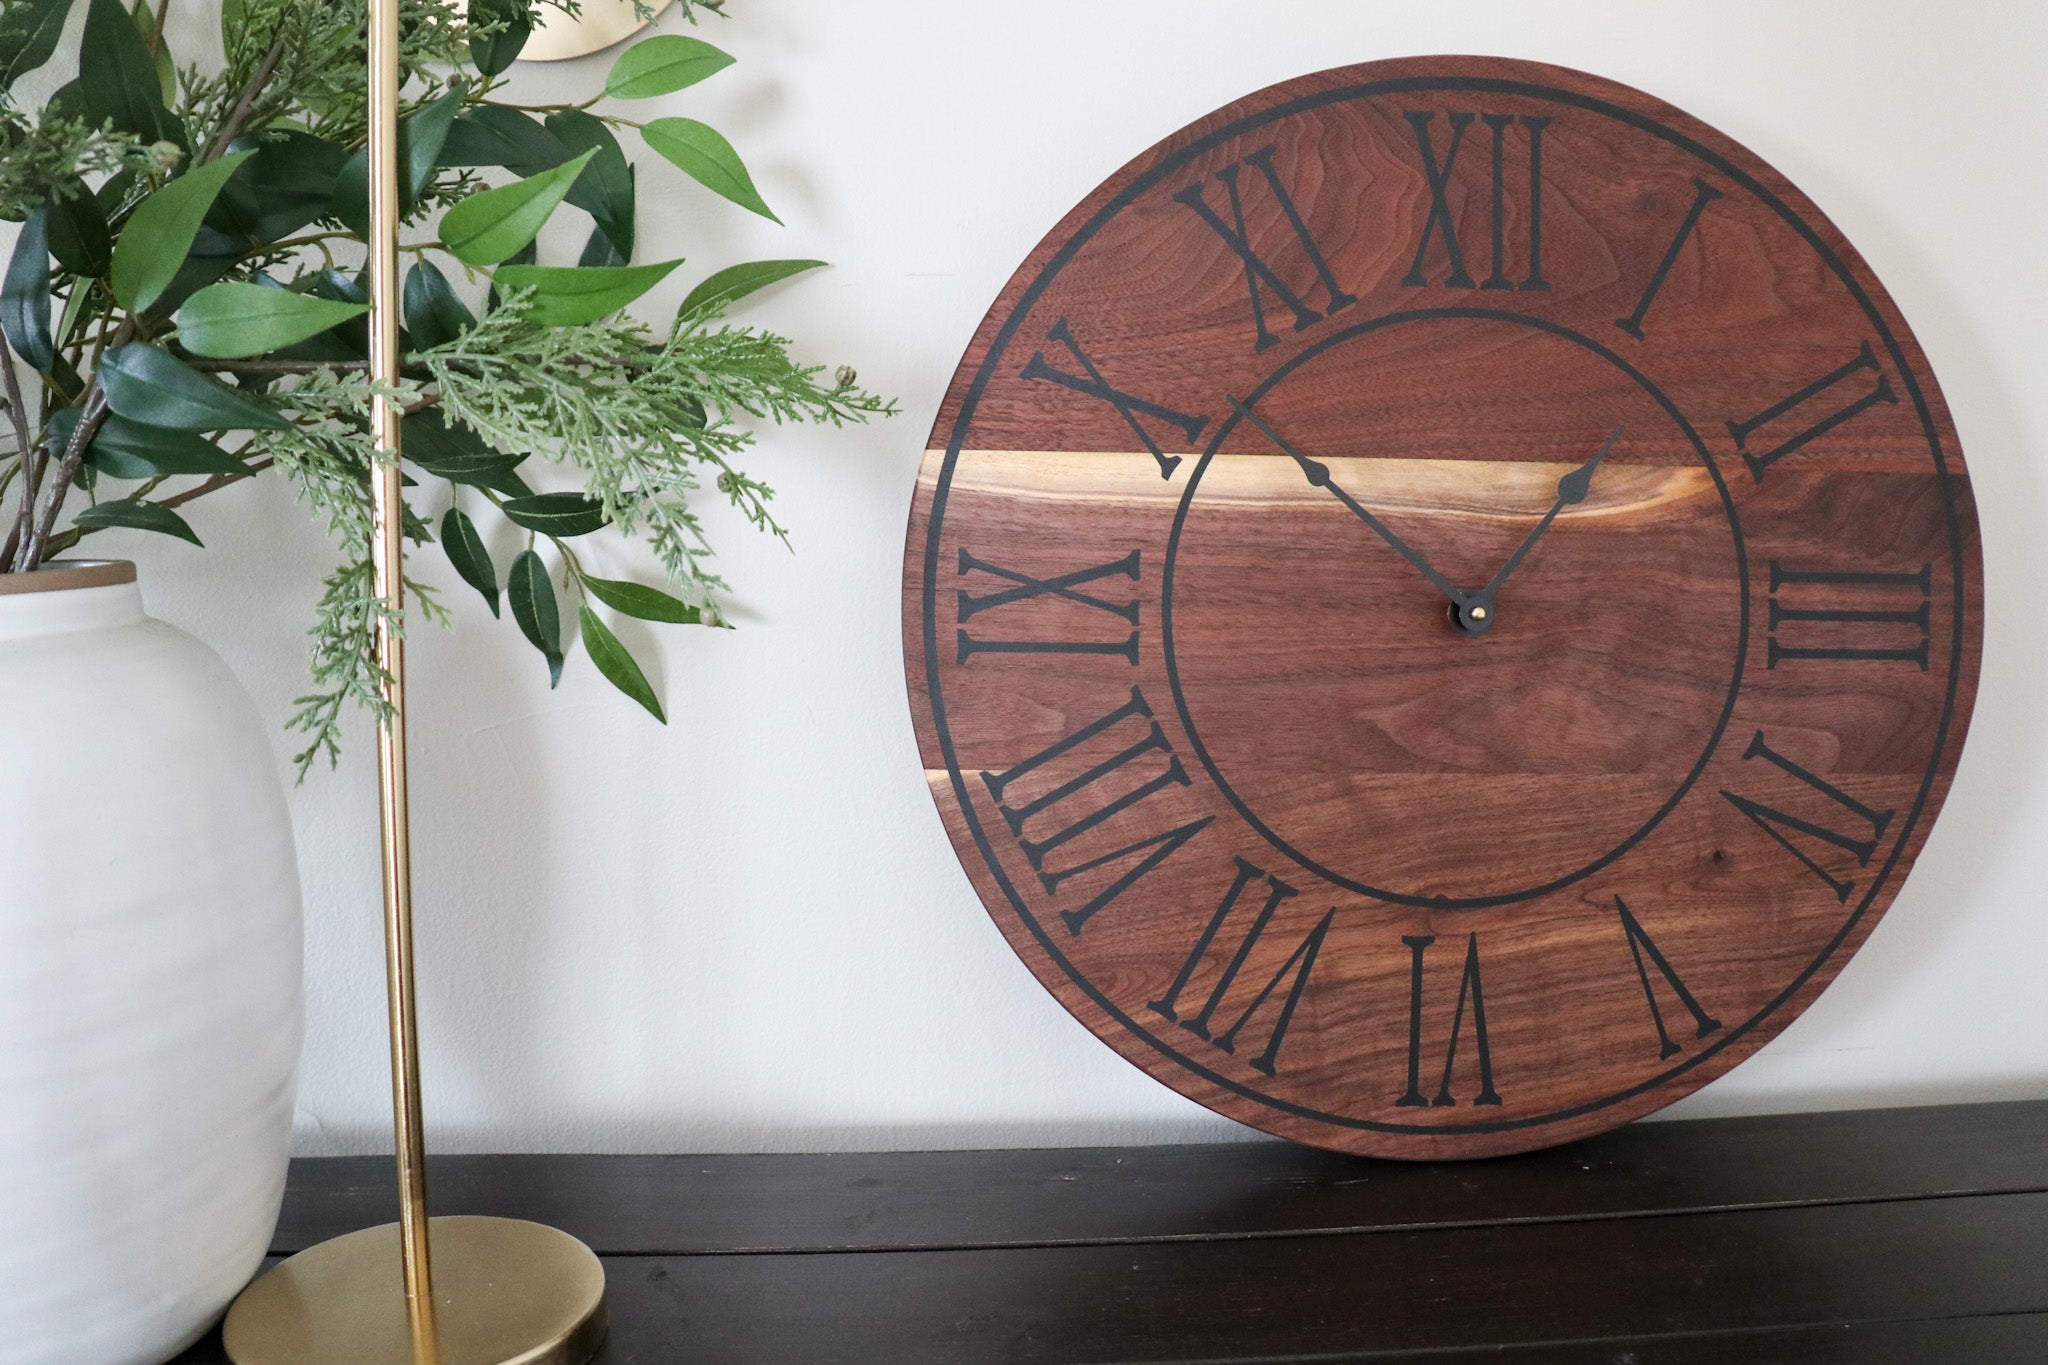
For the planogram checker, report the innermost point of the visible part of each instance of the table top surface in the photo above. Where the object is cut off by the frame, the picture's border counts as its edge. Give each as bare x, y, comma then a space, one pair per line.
1908, 1235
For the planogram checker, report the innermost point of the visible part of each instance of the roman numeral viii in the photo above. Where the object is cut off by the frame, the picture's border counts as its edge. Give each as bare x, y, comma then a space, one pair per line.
1442, 222
1843, 387
1085, 780
1129, 406
1064, 587
1847, 825
1643, 949
1281, 991
1257, 269
1470, 992
1888, 623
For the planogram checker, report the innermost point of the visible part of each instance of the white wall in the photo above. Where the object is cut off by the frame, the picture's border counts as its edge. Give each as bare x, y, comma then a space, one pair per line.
747, 930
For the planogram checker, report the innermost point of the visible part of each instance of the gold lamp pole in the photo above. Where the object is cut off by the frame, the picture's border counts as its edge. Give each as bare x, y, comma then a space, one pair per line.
421, 1291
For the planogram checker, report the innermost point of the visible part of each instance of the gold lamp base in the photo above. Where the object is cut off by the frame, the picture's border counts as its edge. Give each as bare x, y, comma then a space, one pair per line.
506, 1292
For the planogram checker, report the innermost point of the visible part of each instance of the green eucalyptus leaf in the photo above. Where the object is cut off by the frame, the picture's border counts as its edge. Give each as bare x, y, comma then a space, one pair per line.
137, 515
79, 236
662, 66
125, 449
149, 385
532, 594
117, 79
456, 454
605, 189
432, 312
29, 30
289, 183
25, 294
599, 249
493, 53
556, 514
702, 153
738, 281
466, 551
422, 135
567, 295
486, 228
160, 231
494, 135
236, 318
616, 663
637, 599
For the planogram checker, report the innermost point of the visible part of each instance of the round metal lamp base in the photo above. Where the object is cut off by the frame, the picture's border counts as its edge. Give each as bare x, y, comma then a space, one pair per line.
506, 1292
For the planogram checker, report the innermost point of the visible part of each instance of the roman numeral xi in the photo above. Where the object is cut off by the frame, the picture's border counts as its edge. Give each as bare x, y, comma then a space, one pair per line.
1258, 270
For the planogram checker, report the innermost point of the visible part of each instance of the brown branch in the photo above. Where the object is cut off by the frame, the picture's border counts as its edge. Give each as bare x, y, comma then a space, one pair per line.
60, 482
257, 366
31, 467
156, 35
216, 483
245, 103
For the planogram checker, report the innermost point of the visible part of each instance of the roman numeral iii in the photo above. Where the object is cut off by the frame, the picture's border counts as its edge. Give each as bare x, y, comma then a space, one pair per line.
1846, 387
1888, 624
1142, 765
1064, 587
1131, 407
1642, 947
1833, 819
1442, 224
1472, 993
1257, 269
1293, 973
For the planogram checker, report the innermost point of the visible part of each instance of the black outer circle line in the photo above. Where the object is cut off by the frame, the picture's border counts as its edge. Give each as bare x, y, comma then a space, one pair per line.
1065, 254
1187, 501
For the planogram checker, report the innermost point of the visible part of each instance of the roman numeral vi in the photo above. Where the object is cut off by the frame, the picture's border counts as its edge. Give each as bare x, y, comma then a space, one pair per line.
1470, 992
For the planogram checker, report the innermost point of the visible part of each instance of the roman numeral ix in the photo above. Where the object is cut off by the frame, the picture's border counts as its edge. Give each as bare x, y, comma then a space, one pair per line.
1063, 587
1470, 991
1782, 825
1294, 972
1641, 946
1257, 269
1845, 378
1442, 223
1877, 627
1091, 797
1131, 407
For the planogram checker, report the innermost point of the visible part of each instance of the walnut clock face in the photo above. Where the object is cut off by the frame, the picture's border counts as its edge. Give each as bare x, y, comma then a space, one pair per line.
1441, 604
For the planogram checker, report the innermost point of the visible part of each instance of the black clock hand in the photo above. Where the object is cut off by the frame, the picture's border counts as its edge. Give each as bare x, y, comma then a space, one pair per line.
1319, 475
1572, 488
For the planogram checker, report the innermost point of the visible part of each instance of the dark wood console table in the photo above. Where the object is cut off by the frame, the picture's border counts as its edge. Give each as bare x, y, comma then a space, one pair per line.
1913, 1236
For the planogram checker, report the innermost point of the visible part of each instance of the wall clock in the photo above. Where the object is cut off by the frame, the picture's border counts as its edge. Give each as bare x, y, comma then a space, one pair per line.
1441, 604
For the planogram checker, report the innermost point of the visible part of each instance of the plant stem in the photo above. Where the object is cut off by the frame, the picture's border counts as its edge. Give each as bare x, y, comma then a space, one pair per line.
156, 34
215, 484
60, 482
31, 466
245, 103
256, 365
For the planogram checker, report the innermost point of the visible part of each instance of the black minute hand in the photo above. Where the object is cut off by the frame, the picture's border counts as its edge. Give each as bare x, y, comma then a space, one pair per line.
1572, 488
1319, 475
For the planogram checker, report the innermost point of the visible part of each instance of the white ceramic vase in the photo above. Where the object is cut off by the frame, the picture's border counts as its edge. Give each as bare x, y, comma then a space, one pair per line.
150, 992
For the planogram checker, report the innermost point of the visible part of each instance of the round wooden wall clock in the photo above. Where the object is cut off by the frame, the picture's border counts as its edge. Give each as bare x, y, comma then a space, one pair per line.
1441, 604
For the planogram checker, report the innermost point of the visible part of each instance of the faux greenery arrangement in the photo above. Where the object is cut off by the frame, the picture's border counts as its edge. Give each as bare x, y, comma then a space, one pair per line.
186, 289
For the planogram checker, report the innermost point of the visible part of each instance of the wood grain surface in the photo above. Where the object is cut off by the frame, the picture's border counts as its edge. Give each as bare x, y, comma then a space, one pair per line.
1209, 741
